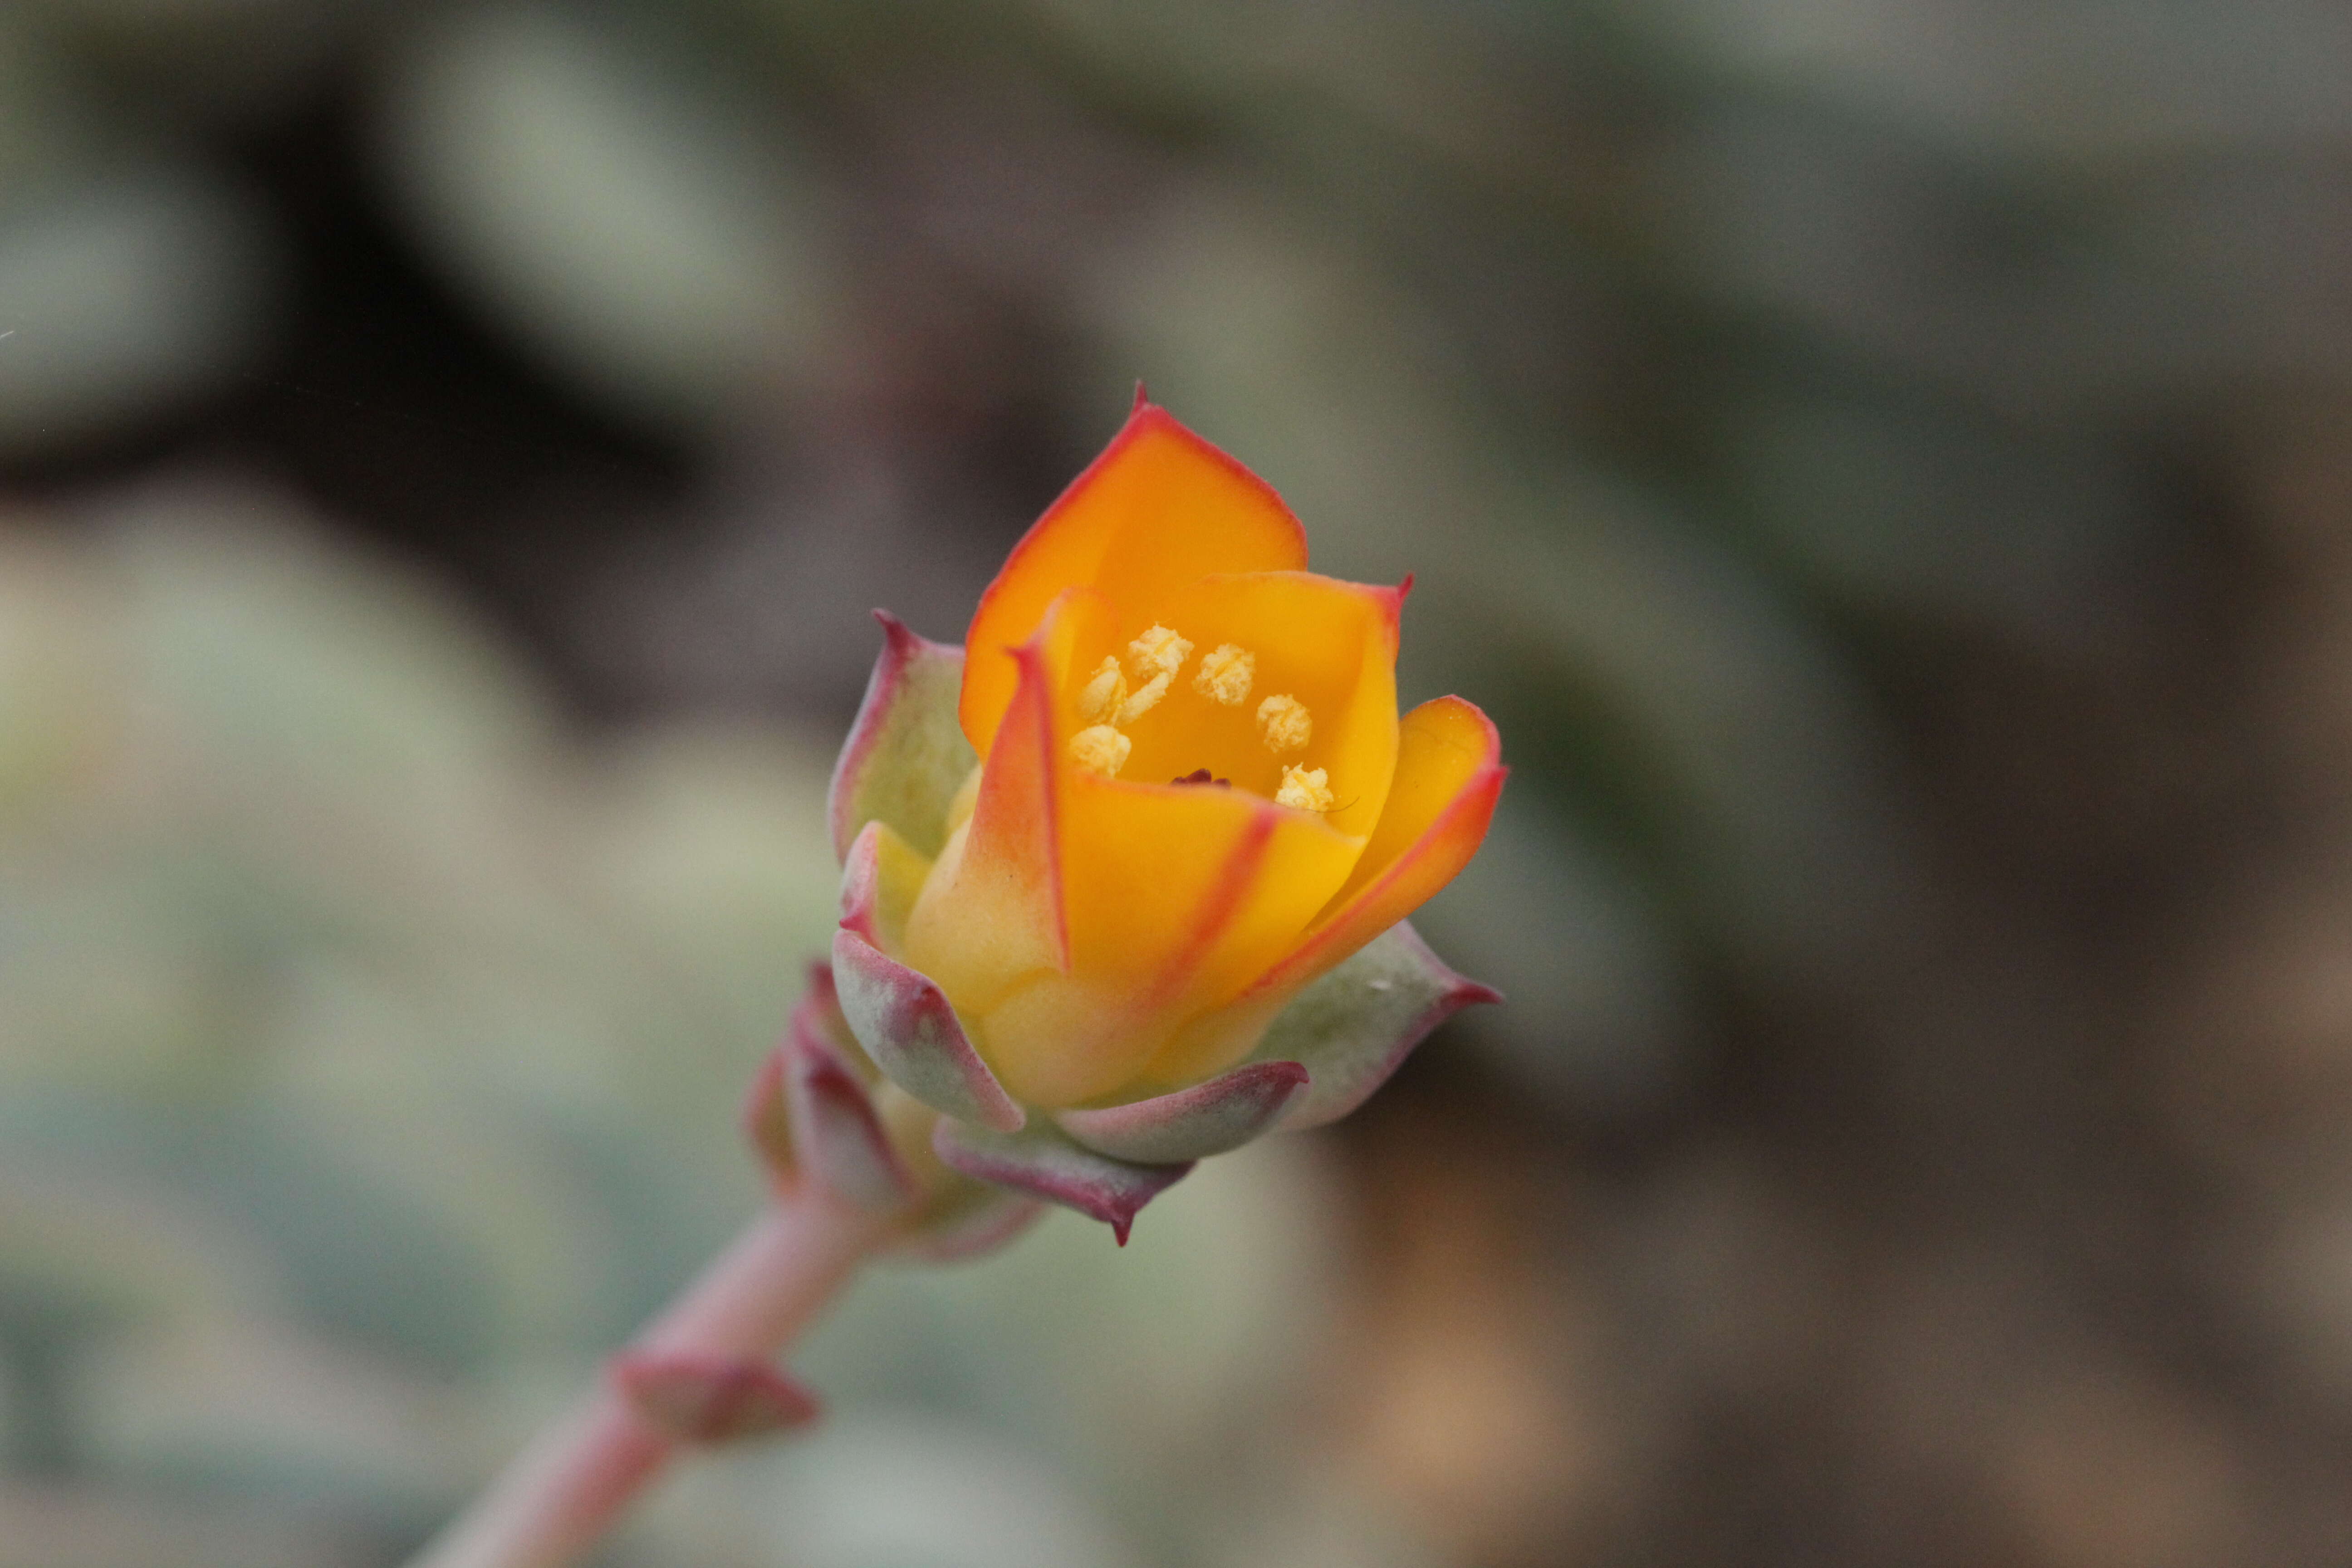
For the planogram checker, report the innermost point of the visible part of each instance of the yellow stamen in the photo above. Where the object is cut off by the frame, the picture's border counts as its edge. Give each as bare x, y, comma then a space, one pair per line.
1145, 699
1225, 675
1100, 749
1104, 690
1160, 651
1305, 789
1285, 724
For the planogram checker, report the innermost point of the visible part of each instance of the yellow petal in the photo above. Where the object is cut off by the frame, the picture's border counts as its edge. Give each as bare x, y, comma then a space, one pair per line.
1158, 509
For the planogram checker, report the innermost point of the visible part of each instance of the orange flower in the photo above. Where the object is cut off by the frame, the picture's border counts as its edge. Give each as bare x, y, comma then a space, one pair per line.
1194, 801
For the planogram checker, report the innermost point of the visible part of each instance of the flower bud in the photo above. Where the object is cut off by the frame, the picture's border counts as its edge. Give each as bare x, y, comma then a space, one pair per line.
1104, 922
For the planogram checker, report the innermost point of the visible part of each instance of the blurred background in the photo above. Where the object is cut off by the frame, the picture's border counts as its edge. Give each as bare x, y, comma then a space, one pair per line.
1887, 464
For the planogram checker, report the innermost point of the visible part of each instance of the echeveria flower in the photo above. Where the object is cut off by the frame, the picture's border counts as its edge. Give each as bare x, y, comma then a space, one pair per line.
1126, 887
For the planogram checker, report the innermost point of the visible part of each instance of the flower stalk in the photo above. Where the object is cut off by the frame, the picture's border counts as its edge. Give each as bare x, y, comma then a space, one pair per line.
561, 1494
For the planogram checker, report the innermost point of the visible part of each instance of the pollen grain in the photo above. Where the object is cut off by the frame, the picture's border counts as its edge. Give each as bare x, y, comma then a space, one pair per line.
1160, 651
1224, 676
1305, 788
1285, 723
1101, 750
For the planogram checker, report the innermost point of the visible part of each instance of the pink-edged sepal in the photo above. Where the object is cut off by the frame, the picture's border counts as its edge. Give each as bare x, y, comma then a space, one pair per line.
1192, 1124
907, 1025
809, 1114
843, 1146
698, 1397
905, 751
973, 1222
1044, 1163
767, 1115
1355, 1026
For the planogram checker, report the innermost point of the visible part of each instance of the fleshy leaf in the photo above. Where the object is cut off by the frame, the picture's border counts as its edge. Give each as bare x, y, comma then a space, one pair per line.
1356, 1024
1044, 1163
907, 1026
905, 751
836, 1135
698, 1397
769, 1121
1192, 1124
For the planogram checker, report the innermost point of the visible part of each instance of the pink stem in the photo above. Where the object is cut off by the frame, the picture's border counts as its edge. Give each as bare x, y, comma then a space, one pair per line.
566, 1489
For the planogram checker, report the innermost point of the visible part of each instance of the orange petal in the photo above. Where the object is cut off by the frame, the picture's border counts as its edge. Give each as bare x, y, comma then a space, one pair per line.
1178, 897
1449, 773
1159, 508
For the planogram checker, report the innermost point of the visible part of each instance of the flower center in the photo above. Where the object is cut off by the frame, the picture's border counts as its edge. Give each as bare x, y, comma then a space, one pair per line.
1118, 693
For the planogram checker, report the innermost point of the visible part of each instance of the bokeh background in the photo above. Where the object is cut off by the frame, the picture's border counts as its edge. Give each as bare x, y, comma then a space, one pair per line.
1887, 464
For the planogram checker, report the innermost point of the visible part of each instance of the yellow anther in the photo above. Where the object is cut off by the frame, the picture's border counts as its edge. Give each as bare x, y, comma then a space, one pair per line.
1100, 749
1305, 788
1160, 651
1225, 675
1145, 699
1285, 724
1104, 690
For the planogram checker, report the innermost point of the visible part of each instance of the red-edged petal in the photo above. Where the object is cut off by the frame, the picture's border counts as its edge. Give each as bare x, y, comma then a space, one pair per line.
1449, 773
698, 1397
1355, 1026
1161, 508
1192, 1124
906, 1025
992, 911
1042, 1162
905, 751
